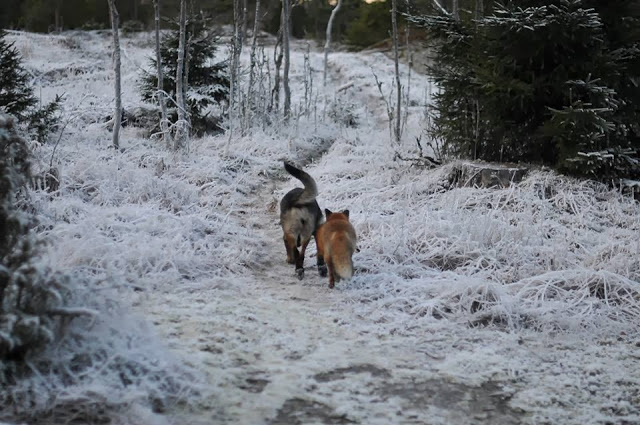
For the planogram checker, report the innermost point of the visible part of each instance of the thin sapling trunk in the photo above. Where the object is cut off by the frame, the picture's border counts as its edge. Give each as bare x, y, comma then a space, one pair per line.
287, 62
327, 44
181, 132
164, 121
117, 115
394, 35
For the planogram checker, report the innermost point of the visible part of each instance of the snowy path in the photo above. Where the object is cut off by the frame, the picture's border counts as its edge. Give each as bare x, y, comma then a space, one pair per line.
197, 250
281, 354
283, 351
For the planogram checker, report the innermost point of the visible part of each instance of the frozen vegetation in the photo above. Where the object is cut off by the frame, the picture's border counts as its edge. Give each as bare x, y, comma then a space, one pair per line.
469, 305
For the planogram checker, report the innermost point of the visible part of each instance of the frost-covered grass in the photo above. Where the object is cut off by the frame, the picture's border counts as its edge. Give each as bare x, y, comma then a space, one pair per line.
547, 253
180, 253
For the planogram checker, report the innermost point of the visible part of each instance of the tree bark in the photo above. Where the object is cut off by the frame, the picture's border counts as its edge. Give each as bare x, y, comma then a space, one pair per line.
164, 122
277, 60
252, 67
394, 28
327, 44
181, 132
287, 63
185, 80
135, 9
455, 10
479, 9
440, 7
245, 10
57, 17
236, 50
117, 115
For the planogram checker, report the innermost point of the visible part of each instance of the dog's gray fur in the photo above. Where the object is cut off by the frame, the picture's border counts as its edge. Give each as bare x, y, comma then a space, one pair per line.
300, 217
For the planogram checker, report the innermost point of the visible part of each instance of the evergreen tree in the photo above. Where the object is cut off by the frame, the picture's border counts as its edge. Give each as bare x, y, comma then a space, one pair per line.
17, 98
16, 95
27, 295
553, 82
208, 82
371, 26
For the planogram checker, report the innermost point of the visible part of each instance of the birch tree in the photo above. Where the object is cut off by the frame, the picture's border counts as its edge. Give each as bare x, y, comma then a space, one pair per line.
440, 7
245, 9
394, 35
252, 66
164, 122
327, 43
277, 60
455, 10
117, 115
287, 63
182, 130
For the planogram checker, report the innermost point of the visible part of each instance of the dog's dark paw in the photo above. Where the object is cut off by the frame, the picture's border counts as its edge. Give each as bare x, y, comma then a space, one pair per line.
322, 270
291, 261
300, 273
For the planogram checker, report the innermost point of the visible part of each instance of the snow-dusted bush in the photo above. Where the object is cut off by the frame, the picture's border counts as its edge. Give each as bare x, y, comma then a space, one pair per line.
344, 112
29, 298
95, 363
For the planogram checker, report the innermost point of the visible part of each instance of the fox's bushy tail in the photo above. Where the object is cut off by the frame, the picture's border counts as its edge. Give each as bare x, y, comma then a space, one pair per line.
310, 188
343, 267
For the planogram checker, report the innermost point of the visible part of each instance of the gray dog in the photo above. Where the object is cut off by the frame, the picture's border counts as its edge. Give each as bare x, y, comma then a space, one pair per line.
300, 217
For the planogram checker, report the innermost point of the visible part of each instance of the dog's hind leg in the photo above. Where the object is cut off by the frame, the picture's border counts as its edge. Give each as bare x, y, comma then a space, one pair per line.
290, 246
300, 259
322, 267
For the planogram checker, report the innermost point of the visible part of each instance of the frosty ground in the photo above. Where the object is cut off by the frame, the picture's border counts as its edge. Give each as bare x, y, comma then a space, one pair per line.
469, 305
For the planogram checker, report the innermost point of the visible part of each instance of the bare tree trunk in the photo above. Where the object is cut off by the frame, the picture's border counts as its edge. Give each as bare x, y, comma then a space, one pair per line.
407, 91
135, 9
185, 80
287, 62
252, 67
455, 10
57, 17
440, 7
479, 9
181, 132
394, 35
164, 122
277, 60
245, 10
117, 115
327, 44
236, 47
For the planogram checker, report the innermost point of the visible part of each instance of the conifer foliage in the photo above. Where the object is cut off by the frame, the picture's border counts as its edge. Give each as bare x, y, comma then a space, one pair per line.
553, 82
16, 94
207, 82
28, 297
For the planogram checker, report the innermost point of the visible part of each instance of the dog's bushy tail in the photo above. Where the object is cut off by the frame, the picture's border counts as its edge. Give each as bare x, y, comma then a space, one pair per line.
310, 188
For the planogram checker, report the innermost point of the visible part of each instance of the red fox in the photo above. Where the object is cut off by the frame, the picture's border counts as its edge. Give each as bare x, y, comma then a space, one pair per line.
336, 241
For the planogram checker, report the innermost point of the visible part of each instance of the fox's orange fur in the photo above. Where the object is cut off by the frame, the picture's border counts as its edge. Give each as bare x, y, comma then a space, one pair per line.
336, 241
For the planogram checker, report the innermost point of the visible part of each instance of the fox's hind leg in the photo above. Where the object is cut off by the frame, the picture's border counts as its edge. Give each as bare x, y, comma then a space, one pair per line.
290, 246
332, 278
300, 259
